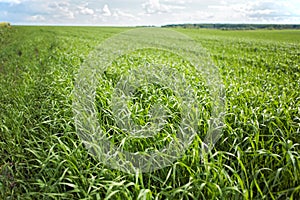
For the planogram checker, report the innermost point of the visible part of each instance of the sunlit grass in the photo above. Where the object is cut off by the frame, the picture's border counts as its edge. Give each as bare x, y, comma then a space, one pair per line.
41, 156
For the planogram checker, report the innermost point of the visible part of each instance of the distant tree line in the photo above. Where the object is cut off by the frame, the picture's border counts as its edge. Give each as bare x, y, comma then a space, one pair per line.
235, 26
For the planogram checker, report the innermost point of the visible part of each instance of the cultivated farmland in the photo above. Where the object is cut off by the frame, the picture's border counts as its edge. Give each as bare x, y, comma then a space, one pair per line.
256, 157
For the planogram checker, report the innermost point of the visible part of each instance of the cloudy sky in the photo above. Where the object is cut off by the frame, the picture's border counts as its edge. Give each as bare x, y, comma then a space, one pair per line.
148, 12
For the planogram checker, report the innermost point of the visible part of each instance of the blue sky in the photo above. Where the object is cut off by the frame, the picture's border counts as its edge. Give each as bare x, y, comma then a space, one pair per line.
148, 12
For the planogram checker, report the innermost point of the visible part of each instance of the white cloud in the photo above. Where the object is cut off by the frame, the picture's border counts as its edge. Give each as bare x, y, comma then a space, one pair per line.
257, 11
113, 16
119, 14
155, 6
37, 18
86, 11
149, 12
11, 1
177, 2
264, 10
61, 10
106, 10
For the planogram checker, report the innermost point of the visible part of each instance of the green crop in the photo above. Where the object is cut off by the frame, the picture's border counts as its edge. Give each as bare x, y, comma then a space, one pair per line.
42, 157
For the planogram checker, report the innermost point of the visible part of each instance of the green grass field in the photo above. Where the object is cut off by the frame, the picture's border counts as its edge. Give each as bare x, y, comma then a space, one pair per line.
257, 156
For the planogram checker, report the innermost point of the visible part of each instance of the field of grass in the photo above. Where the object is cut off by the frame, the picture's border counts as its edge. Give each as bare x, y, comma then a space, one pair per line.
42, 157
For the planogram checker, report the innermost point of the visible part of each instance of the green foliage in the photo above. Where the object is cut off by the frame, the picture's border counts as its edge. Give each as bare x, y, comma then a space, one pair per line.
41, 156
4, 25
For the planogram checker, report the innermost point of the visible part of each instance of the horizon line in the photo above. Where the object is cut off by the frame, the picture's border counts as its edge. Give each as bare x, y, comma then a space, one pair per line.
149, 25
